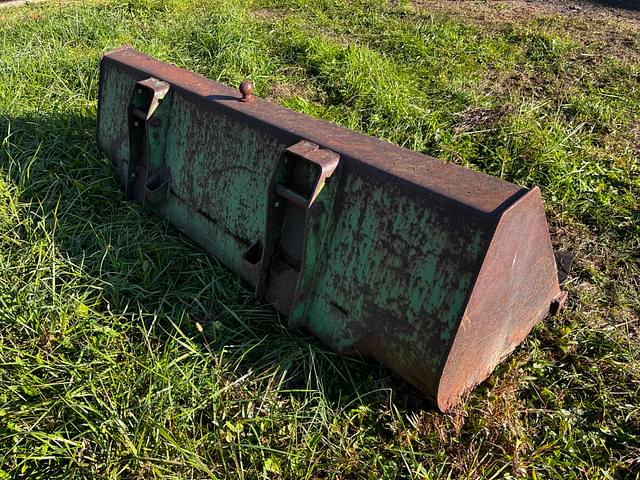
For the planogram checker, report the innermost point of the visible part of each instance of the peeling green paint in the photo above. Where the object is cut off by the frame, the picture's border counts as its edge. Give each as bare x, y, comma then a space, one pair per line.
380, 263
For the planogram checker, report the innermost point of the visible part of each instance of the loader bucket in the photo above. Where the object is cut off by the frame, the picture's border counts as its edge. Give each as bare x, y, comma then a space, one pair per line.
435, 270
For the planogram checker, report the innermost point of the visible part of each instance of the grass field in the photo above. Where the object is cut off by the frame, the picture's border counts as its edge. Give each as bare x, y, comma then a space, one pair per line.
104, 373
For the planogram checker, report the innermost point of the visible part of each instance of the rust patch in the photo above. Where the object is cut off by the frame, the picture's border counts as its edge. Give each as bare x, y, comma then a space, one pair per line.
503, 307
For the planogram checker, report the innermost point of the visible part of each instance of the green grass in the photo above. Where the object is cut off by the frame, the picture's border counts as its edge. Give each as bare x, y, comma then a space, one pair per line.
126, 352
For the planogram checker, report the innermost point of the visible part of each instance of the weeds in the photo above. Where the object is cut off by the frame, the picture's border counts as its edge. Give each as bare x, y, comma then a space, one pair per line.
128, 353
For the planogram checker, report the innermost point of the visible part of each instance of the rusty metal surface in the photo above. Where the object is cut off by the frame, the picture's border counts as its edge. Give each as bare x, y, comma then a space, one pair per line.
476, 190
516, 287
298, 180
143, 124
435, 270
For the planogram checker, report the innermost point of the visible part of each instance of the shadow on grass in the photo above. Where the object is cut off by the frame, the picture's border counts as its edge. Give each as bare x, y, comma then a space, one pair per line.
143, 264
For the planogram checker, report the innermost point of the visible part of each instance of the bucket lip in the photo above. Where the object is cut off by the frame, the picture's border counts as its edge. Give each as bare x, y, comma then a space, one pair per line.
486, 195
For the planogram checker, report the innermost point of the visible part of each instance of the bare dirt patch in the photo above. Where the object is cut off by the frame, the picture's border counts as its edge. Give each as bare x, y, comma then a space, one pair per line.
601, 29
477, 117
283, 90
510, 10
267, 14
17, 3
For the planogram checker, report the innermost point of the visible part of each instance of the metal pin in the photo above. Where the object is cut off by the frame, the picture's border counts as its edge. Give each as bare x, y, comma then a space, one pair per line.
246, 89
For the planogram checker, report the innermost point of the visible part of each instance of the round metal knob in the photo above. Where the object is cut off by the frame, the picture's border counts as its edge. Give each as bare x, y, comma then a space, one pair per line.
246, 89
